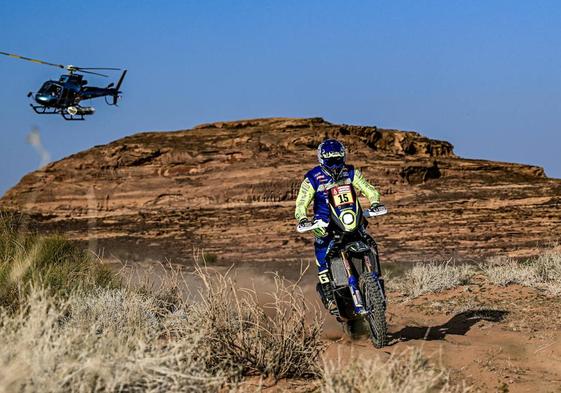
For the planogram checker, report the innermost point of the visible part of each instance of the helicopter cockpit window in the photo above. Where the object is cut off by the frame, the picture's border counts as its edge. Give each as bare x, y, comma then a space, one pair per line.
51, 89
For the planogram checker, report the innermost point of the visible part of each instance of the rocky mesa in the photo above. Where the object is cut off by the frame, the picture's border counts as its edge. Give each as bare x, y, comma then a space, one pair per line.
228, 188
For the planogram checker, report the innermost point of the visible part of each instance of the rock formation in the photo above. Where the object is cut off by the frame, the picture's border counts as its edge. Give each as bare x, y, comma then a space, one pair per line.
229, 188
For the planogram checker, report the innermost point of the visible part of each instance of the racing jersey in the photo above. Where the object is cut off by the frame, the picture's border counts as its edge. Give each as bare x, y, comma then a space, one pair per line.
315, 187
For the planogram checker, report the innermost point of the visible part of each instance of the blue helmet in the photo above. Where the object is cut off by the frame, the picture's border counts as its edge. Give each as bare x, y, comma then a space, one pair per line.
331, 156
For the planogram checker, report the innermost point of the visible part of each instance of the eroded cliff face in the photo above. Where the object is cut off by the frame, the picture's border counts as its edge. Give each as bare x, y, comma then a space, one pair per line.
229, 188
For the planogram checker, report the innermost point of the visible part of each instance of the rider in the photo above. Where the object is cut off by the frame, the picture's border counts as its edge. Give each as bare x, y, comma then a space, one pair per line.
316, 185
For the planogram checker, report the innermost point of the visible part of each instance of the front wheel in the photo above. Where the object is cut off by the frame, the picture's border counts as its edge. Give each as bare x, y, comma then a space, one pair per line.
375, 305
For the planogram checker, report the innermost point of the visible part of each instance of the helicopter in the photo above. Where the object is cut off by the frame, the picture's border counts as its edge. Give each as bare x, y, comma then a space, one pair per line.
63, 96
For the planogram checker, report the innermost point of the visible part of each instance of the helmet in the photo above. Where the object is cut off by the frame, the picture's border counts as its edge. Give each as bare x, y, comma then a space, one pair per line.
331, 156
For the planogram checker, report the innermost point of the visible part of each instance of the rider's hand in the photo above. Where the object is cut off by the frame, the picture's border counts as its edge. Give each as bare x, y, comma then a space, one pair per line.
304, 222
320, 232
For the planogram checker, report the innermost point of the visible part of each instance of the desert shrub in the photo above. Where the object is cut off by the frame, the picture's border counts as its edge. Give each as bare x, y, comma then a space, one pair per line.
272, 334
270, 340
548, 266
408, 372
542, 272
210, 258
71, 326
52, 262
106, 339
504, 271
431, 277
103, 341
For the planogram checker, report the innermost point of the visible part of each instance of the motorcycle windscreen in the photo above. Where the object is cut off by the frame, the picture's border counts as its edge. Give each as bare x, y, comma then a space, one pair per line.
344, 206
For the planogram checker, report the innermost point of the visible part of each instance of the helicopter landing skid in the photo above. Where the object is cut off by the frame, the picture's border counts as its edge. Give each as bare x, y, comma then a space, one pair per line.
44, 110
68, 116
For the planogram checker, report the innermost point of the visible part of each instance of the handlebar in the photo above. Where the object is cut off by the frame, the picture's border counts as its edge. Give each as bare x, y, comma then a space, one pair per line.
307, 226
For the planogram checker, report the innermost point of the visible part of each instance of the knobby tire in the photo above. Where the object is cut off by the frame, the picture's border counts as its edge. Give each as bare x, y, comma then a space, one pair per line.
374, 302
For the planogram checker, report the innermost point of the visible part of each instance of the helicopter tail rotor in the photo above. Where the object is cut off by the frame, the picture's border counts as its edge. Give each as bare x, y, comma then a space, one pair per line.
119, 83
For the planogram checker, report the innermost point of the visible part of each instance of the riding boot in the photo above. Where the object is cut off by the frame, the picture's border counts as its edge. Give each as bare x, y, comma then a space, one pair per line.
327, 296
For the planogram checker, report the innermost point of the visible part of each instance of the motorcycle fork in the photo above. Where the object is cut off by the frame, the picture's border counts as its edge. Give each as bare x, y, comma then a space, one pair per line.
353, 286
379, 281
368, 263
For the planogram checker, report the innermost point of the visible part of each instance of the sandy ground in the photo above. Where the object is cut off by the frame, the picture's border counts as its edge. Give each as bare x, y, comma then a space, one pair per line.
493, 339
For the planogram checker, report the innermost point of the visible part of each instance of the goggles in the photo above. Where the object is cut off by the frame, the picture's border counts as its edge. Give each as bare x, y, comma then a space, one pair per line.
334, 162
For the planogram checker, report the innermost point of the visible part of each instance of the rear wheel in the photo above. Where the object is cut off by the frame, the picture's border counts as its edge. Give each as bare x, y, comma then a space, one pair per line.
374, 302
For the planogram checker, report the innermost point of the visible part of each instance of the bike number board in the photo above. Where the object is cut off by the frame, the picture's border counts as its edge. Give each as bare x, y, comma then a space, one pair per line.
342, 195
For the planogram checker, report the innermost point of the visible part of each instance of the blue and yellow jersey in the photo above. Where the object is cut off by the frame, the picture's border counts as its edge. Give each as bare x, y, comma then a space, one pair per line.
316, 184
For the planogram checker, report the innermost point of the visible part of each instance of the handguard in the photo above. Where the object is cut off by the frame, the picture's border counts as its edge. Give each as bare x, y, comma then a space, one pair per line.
310, 226
380, 210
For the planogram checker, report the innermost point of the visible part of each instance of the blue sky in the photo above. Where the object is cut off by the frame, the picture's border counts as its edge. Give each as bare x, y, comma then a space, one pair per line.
484, 75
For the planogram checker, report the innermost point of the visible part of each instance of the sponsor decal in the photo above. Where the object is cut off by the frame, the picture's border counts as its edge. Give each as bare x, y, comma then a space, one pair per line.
332, 154
323, 278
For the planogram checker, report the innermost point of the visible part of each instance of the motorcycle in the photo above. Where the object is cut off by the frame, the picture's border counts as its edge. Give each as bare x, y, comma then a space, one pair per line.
354, 267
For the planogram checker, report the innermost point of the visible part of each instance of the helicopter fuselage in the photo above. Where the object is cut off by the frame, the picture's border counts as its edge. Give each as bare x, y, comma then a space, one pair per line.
67, 91
64, 96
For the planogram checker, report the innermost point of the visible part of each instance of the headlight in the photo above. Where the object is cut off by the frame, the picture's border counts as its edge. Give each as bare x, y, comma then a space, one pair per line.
348, 218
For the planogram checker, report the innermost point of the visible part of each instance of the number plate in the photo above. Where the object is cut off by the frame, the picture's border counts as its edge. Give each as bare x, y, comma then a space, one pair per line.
342, 195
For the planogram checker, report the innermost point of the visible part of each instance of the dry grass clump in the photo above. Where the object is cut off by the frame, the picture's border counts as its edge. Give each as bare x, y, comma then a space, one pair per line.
272, 340
542, 272
110, 340
408, 372
431, 277
504, 271
52, 262
67, 324
122, 339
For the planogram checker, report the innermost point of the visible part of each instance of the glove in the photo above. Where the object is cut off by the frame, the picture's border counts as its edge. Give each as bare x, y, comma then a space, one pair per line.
304, 221
320, 232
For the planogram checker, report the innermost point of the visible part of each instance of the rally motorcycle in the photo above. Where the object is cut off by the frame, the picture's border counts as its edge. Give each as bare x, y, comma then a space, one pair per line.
354, 267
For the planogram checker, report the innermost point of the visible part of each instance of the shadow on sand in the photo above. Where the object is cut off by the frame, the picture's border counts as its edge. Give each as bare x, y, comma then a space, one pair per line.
460, 324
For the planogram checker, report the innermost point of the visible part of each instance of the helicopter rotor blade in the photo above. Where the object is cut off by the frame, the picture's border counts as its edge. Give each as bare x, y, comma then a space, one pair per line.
81, 70
32, 60
97, 68
70, 68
